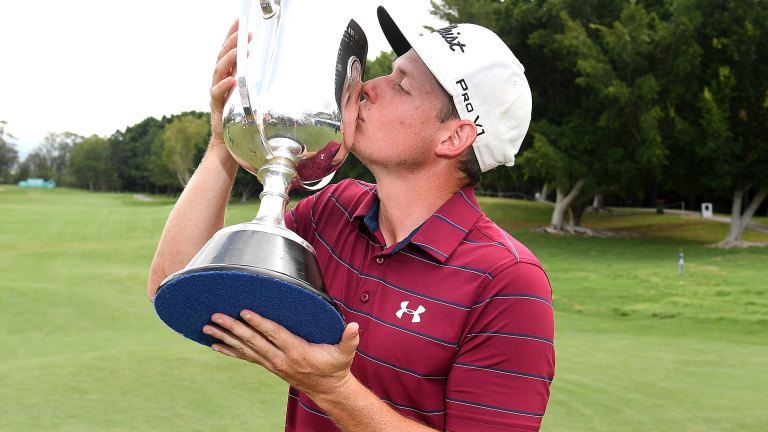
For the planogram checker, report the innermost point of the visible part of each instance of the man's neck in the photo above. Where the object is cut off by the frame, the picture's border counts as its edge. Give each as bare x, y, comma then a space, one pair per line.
408, 201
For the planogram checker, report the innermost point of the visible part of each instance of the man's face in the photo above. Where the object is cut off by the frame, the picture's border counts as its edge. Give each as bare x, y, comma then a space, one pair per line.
397, 126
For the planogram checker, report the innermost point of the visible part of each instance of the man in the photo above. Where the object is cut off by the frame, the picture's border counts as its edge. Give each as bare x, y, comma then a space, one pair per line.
450, 318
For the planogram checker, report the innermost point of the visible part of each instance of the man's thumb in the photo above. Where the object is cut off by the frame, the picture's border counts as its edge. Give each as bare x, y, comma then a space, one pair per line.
350, 338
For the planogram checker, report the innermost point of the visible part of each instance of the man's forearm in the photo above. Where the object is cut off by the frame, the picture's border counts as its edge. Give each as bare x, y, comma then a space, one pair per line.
197, 215
355, 408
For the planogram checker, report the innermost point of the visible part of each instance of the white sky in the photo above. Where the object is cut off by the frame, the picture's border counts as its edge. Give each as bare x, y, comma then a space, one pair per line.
95, 67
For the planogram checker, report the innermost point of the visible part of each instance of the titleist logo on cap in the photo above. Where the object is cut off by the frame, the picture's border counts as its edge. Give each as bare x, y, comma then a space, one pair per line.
451, 39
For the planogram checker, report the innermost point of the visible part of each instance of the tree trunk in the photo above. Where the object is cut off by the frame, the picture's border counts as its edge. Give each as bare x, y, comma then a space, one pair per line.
247, 190
563, 203
577, 211
599, 202
543, 194
739, 220
183, 177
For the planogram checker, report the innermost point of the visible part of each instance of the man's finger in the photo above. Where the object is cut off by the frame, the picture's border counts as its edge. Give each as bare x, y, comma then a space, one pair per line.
222, 90
233, 333
225, 337
272, 331
225, 66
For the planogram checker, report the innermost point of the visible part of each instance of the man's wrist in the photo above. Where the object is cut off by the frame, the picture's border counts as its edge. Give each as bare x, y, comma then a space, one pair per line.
218, 150
353, 407
337, 392
347, 403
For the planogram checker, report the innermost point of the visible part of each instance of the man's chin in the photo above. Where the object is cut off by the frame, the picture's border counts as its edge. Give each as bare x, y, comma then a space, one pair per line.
360, 155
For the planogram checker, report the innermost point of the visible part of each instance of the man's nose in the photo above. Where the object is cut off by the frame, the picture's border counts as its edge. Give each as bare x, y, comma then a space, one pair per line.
369, 90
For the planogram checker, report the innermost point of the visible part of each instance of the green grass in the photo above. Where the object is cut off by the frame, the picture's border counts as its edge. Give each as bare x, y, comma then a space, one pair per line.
82, 348
639, 347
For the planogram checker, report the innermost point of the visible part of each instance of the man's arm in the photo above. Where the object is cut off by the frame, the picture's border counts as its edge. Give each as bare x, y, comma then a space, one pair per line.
199, 212
320, 371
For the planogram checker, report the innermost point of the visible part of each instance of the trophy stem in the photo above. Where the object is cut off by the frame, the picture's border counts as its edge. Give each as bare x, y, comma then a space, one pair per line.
276, 178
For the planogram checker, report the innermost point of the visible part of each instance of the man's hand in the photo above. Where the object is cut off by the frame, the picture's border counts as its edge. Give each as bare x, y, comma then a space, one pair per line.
320, 371
316, 369
224, 81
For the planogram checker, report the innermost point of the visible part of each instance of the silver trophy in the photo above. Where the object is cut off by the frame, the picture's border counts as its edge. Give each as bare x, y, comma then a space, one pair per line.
282, 124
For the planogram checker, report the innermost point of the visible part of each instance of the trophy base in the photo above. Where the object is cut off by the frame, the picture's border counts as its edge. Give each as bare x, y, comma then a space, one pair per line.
186, 302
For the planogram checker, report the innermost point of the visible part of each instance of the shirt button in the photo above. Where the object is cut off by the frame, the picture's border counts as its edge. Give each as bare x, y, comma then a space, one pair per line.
380, 260
365, 297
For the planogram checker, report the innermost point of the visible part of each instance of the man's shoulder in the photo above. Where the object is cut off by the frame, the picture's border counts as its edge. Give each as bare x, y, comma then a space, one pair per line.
499, 243
351, 188
349, 192
508, 264
336, 202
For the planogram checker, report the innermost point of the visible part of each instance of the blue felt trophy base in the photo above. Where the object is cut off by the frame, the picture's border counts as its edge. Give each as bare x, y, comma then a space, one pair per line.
186, 302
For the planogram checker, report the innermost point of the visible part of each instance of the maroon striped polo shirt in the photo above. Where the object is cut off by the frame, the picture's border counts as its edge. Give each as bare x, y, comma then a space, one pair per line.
456, 321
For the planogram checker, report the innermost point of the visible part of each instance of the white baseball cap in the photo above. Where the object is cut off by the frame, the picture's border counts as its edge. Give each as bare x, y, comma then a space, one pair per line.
485, 79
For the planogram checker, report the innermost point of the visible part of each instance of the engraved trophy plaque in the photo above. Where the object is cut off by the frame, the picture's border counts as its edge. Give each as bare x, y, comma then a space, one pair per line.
282, 124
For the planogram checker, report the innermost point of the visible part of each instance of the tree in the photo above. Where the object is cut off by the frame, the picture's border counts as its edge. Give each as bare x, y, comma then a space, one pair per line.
184, 139
56, 149
89, 164
36, 165
734, 108
380, 66
9, 156
613, 65
159, 174
246, 184
50, 160
131, 154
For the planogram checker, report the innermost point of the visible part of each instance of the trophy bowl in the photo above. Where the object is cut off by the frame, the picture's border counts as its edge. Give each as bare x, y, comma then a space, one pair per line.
282, 124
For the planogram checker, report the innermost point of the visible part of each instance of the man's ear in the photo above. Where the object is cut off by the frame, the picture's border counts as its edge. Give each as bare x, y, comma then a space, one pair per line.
461, 135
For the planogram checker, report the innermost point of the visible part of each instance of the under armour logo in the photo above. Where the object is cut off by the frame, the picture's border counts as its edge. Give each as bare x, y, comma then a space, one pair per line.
415, 313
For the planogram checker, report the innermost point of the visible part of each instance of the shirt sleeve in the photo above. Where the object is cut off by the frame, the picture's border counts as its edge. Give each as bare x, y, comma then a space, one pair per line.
506, 362
299, 218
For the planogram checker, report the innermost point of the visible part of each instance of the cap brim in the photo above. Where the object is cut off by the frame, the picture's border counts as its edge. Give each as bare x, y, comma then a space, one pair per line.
395, 37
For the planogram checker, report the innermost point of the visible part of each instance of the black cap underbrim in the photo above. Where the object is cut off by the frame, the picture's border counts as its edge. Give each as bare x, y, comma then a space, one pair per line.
395, 37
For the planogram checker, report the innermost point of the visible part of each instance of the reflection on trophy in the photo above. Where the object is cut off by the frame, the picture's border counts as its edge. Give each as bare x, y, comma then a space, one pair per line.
282, 124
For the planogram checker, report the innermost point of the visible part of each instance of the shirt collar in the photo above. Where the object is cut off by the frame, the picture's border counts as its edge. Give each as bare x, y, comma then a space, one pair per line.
370, 204
441, 233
